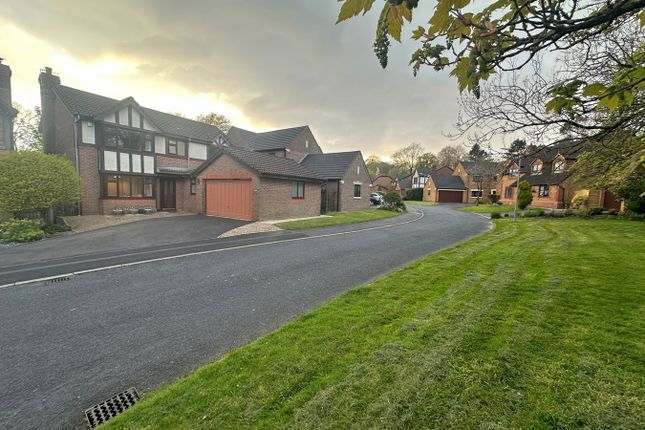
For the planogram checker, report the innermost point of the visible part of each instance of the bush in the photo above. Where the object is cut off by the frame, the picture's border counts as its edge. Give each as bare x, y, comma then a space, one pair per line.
631, 189
578, 201
21, 230
495, 215
494, 199
612, 211
532, 213
57, 227
414, 194
595, 211
524, 197
393, 202
33, 182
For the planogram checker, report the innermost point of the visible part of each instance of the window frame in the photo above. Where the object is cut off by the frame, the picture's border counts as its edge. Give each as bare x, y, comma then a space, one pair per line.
561, 163
143, 183
360, 191
297, 190
536, 169
543, 191
480, 192
508, 193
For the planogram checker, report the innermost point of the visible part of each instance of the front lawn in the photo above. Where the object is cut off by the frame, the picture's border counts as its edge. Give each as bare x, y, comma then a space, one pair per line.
536, 325
338, 218
416, 202
488, 208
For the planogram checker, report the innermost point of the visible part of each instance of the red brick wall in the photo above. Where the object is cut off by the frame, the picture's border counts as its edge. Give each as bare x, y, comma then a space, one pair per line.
275, 200
487, 185
347, 200
90, 180
170, 161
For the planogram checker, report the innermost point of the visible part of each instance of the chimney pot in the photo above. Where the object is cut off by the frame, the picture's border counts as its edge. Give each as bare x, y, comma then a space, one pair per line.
48, 70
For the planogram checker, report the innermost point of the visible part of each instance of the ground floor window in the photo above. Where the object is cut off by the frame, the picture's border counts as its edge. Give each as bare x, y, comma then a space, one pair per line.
357, 191
127, 186
543, 191
508, 193
476, 193
493, 192
298, 190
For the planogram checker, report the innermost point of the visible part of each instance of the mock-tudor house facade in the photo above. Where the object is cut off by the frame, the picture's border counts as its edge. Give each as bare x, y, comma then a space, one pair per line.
127, 155
293, 143
348, 182
7, 112
547, 170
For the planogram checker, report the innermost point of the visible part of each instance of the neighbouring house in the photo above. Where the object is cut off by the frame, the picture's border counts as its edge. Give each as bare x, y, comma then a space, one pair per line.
383, 184
7, 112
404, 184
547, 170
348, 182
293, 143
479, 177
249, 185
444, 189
127, 155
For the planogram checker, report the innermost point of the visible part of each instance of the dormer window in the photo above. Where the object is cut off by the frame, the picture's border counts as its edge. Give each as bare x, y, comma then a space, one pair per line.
536, 169
513, 172
558, 166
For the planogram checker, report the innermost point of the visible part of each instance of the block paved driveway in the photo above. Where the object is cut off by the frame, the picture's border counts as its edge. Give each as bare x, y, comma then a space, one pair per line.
67, 346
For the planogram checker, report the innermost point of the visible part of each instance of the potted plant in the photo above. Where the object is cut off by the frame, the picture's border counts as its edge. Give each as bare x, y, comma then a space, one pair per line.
117, 212
147, 211
133, 211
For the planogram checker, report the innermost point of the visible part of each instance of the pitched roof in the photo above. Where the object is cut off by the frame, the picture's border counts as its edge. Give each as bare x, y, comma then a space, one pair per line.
545, 178
424, 171
264, 164
268, 140
443, 182
91, 105
487, 166
405, 182
333, 165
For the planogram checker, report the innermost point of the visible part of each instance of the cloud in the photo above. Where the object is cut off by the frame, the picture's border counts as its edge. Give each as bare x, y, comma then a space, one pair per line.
267, 64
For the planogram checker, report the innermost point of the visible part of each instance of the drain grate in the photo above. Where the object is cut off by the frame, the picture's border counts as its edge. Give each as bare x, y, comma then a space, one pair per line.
59, 279
98, 414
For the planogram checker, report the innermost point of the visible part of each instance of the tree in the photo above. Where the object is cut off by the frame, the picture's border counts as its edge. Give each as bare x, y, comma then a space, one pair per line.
450, 155
428, 160
632, 189
477, 153
475, 40
524, 196
516, 148
218, 120
26, 129
376, 166
408, 157
36, 182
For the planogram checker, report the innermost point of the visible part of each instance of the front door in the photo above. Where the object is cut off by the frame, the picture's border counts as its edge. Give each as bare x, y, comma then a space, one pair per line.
168, 194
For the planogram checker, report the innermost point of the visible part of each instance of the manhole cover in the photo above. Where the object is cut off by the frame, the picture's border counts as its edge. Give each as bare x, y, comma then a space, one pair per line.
100, 413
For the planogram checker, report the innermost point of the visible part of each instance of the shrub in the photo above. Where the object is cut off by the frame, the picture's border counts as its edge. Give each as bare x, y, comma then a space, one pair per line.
631, 189
414, 194
524, 197
393, 202
495, 215
494, 199
532, 213
578, 201
57, 227
612, 211
595, 211
21, 230
35, 182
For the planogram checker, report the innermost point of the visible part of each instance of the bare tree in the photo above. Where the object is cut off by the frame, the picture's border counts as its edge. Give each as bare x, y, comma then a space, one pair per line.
450, 155
407, 158
218, 120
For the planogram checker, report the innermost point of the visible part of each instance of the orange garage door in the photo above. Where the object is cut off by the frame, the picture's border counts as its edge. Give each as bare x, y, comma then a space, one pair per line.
229, 198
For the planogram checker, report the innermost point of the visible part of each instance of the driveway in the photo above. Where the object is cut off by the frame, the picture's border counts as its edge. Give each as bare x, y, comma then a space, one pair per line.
123, 237
69, 345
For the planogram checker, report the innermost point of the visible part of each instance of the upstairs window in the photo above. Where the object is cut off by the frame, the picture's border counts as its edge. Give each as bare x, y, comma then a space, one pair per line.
558, 166
298, 190
536, 168
513, 172
176, 147
127, 139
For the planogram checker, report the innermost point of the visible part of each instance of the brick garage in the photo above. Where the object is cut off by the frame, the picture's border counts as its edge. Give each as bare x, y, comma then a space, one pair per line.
271, 182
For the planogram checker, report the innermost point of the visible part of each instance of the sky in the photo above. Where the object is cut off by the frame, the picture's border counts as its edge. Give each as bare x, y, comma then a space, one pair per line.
265, 64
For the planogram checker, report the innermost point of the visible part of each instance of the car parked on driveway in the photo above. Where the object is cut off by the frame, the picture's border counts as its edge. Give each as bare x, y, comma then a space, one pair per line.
376, 198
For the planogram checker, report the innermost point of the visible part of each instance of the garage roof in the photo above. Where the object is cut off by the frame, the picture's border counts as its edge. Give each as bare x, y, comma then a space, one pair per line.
443, 182
268, 140
264, 164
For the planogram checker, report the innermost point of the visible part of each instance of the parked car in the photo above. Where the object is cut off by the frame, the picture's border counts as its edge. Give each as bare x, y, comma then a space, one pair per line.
376, 198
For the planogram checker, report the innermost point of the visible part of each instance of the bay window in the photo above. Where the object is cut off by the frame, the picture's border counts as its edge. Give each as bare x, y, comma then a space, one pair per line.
126, 186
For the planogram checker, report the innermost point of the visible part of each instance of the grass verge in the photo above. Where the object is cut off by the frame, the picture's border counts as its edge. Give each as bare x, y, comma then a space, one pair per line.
416, 202
532, 325
486, 208
338, 218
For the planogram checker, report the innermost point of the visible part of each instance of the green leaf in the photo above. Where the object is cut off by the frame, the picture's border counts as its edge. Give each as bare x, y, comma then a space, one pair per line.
642, 18
351, 8
461, 3
595, 89
418, 33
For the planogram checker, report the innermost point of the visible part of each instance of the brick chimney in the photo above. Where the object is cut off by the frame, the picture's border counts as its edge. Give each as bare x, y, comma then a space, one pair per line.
47, 82
7, 112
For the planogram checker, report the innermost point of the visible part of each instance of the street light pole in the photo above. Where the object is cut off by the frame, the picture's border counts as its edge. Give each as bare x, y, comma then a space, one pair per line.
517, 185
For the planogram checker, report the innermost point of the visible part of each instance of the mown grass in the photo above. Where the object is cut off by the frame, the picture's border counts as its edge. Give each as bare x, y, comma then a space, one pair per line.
338, 218
487, 208
416, 202
534, 325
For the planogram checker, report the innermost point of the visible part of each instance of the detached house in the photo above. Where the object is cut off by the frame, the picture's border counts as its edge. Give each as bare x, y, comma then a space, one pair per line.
347, 181
7, 112
479, 178
293, 143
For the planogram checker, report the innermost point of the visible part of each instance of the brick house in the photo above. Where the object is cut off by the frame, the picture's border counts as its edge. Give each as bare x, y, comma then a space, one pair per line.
547, 170
127, 155
383, 183
444, 189
293, 143
479, 178
347, 182
7, 112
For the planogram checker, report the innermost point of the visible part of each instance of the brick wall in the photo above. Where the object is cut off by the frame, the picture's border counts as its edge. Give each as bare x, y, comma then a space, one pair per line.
108, 205
504, 182
90, 180
63, 133
275, 200
347, 200
170, 161
299, 147
487, 185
